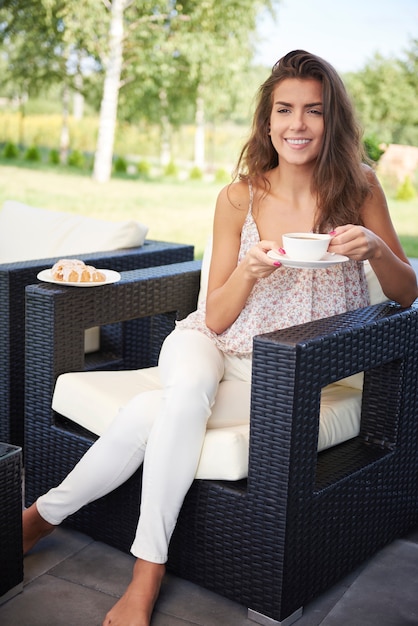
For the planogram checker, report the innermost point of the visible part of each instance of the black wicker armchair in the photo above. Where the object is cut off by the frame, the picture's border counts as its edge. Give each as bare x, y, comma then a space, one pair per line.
301, 520
13, 279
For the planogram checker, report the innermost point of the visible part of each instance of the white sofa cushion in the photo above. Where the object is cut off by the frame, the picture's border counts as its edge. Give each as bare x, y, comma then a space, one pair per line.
93, 399
28, 232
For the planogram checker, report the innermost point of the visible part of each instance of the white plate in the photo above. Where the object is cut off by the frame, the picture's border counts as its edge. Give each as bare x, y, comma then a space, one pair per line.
327, 260
111, 277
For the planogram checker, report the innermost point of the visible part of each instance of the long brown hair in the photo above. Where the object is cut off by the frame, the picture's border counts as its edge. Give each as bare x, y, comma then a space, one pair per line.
339, 179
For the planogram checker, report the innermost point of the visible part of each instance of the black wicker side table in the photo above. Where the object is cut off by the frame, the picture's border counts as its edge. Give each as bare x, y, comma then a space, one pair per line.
11, 552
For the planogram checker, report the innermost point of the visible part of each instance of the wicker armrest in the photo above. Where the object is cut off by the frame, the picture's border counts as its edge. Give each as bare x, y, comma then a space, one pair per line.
135, 315
56, 317
291, 366
14, 277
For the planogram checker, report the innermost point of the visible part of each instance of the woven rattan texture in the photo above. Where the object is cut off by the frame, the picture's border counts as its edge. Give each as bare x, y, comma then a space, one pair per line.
11, 552
302, 520
56, 320
305, 519
14, 277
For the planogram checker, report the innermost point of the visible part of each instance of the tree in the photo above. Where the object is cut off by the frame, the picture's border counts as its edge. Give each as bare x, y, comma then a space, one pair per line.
221, 32
410, 65
385, 96
170, 60
109, 105
44, 43
22, 79
150, 23
194, 68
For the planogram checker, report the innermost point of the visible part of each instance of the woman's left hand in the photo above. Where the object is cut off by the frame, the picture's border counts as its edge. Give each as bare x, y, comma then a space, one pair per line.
356, 242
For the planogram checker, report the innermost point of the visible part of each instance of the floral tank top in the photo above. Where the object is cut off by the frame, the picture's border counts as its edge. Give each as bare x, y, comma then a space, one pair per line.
287, 297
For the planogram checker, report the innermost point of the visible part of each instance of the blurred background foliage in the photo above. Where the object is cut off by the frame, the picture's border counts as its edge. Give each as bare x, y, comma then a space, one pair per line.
183, 65
184, 93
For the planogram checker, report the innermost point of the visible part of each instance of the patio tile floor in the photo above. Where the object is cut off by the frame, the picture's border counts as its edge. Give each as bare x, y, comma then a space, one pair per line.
71, 580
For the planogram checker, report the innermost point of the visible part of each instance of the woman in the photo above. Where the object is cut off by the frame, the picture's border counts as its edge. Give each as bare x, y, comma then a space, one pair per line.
301, 170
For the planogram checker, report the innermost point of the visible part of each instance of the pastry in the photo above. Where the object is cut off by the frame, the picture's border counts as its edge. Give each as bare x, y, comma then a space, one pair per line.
76, 271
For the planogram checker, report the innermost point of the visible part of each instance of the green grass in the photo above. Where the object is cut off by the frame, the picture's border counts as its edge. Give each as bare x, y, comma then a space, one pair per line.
173, 210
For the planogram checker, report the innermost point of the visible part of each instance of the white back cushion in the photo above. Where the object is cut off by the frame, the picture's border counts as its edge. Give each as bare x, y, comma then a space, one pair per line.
375, 290
28, 232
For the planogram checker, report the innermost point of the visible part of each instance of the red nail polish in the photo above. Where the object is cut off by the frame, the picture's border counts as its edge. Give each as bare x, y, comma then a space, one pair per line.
277, 264
282, 251
332, 232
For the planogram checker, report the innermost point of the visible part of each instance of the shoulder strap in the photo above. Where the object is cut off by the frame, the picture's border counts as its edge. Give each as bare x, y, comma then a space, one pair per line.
250, 187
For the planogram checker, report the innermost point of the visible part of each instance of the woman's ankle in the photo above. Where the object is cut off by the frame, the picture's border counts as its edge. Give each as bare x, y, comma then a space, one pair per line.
35, 527
137, 603
149, 569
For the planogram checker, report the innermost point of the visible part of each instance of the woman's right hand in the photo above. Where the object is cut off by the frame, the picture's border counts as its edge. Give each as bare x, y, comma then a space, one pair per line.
225, 303
230, 283
257, 263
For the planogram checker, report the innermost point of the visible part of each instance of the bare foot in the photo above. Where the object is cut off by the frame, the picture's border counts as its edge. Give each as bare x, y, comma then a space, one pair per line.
34, 527
137, 603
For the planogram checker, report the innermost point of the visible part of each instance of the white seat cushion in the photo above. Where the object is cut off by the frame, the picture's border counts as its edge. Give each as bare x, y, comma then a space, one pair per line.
93, 399
28, 232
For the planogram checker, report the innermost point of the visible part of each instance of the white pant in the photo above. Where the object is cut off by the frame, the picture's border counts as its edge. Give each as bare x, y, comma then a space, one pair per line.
169, 443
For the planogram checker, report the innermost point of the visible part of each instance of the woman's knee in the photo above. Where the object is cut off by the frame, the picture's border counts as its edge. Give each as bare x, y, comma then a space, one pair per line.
190, 357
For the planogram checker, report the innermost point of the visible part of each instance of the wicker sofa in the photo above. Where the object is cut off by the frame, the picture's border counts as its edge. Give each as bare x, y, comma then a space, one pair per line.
13, 279
301, 520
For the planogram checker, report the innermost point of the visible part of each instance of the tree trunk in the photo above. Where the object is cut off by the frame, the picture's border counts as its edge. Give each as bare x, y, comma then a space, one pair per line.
22, 101
65, 131
165, 154
109, 106
199, 137
78, 99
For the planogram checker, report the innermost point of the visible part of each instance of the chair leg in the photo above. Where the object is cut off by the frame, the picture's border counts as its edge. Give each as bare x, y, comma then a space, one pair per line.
259, 618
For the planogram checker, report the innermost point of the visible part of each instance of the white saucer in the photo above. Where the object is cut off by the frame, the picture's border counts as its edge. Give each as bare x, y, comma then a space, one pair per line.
327, 260
111, 277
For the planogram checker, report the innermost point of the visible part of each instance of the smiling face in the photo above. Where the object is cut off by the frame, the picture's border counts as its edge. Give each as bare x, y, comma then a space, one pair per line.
296, 120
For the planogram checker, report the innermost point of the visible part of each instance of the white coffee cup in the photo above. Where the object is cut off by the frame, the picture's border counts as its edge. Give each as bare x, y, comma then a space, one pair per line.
305, 246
